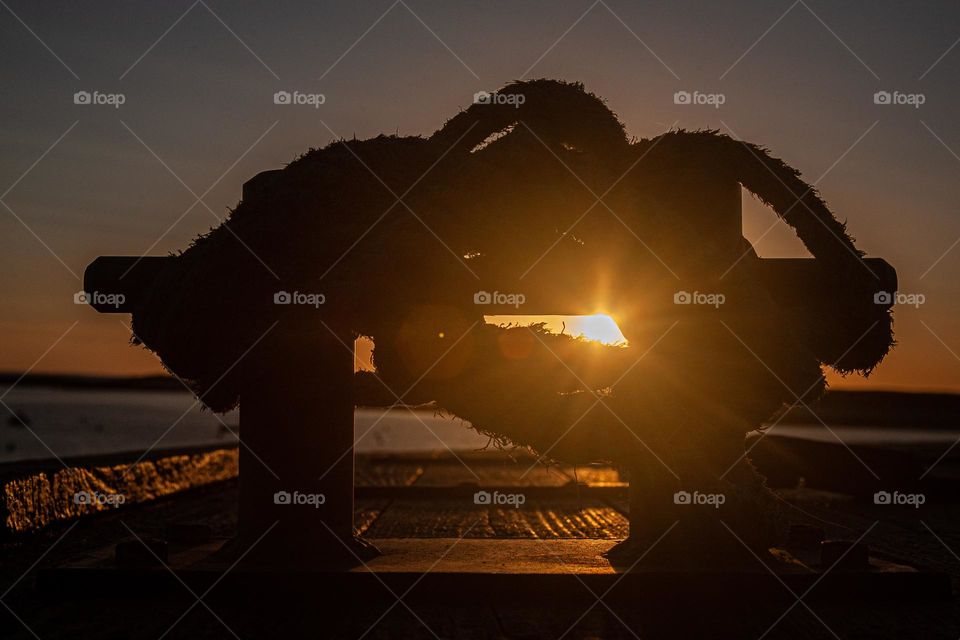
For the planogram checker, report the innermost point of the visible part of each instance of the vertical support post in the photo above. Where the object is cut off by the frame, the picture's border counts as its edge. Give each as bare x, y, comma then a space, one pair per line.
651, 507
296, 456
712, 209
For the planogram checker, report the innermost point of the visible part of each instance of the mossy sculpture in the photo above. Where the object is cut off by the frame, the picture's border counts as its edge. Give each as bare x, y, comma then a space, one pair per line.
395, 230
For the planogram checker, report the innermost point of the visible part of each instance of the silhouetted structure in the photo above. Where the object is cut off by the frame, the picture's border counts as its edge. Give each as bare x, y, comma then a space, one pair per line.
544, 196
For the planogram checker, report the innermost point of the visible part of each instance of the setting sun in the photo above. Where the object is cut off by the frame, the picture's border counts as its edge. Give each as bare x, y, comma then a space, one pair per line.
599, 327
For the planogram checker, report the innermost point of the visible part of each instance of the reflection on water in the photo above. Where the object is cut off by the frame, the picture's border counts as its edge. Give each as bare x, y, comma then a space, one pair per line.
70, 422
866, 435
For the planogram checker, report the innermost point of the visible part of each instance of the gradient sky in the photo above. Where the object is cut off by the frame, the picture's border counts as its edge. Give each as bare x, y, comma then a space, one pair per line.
199, 78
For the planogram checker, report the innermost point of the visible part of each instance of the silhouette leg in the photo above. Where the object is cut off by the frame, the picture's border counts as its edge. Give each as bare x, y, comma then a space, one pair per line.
296, 456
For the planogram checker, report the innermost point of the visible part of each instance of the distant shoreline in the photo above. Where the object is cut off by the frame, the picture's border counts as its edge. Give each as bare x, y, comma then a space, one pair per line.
838, 407
72, 381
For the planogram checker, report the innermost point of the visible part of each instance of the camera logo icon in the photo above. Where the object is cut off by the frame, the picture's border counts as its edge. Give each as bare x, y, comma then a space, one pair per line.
81, 297
896, 498
899, 98
482, 497
100, 499
715, 500
513, 99
282, 297
281, 497
682, 297
282, 97
482, 297
883, 297
715, 100
97, 98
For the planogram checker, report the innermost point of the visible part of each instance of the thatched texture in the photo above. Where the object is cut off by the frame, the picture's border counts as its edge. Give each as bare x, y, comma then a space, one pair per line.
497, 186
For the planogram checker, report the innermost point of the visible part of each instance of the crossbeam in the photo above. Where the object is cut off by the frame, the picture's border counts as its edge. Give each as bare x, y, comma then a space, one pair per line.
792, 282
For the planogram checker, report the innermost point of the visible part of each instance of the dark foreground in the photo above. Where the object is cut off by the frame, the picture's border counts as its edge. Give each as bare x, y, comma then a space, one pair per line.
401, 499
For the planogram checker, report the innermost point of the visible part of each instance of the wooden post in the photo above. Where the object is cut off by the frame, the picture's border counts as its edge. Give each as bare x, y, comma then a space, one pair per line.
296, 456
711, 209
296, 427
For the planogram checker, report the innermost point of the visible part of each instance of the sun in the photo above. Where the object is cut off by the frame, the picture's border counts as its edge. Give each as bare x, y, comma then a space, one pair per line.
599, 326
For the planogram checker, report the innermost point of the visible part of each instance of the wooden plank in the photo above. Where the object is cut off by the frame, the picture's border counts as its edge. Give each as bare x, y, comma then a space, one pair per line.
366, 512
500, 470
452, 570
378, 471
524, 610
37, 495
33, 501
535, 519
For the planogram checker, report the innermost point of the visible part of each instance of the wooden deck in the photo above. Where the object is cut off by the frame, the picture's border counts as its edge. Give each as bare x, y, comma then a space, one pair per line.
427, 504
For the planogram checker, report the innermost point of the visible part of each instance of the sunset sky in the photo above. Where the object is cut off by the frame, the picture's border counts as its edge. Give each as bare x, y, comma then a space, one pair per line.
198, 118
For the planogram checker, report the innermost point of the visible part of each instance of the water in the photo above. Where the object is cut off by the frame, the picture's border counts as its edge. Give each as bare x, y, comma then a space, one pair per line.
867, 435
71, 422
